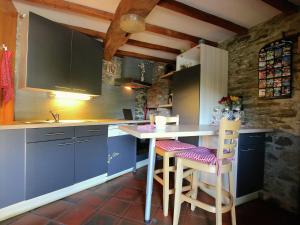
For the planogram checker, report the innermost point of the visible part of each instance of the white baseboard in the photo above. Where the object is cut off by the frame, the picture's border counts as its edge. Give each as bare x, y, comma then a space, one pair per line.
27, 205
247, 198
142, 163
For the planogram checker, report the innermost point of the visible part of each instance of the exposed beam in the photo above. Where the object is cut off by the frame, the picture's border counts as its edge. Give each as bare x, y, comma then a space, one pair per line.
201, 15
282, 5
101, 35
115, 36
89, 32
122, 53
84, 10
152, 46
176, 34
75, 8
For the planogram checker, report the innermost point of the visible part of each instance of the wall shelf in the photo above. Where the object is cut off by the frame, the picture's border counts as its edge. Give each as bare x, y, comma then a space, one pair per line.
167, 75
161, 106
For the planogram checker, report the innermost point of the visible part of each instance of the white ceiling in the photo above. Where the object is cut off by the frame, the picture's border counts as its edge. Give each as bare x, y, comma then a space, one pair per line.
246, 13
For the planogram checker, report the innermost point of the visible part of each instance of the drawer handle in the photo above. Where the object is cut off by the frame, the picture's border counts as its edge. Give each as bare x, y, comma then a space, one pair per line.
255, 136
94, 130
53, 134
248, 150
111, 156
83, 141
65, 144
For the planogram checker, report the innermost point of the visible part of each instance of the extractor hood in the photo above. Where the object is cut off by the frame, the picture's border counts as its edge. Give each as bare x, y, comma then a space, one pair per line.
136, 73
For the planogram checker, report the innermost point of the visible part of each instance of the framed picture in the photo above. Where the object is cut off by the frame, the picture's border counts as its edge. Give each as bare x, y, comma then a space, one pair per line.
275, 70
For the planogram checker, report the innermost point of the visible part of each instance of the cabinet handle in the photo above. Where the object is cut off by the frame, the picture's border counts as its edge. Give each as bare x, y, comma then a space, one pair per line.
94, 130
248, 150
63, 87
83, 141
254, 136
65, 144
113, 155
53, 134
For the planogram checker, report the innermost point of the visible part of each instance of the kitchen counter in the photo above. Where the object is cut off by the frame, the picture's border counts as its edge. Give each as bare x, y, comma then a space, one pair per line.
184, 131
67, 123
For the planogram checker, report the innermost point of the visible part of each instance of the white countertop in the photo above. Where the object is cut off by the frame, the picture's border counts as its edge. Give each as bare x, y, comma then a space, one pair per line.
68, 123
182, 131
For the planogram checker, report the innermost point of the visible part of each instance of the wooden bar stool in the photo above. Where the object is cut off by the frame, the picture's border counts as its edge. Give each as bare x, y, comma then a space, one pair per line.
213, 161
168, 149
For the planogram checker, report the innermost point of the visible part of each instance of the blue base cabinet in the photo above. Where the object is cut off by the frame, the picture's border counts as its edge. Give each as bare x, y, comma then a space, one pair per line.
49, 166
121, 153
90, 157
251, 157
12, 167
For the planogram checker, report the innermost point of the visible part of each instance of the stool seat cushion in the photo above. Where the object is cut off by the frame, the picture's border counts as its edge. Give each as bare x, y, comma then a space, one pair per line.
173, 145
200, 154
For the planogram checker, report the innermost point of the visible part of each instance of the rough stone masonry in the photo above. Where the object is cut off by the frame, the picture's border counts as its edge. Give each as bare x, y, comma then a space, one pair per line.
282, 162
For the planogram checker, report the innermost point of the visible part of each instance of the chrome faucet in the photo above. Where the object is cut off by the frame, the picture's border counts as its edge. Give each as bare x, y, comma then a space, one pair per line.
55, 116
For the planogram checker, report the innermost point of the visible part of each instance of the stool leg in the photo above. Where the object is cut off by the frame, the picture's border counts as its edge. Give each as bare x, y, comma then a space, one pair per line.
166, 186
219, 200
194, 188
231, 189
178, 190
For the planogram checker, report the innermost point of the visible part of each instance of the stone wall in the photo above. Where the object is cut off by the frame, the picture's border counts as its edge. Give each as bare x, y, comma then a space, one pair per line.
282, 169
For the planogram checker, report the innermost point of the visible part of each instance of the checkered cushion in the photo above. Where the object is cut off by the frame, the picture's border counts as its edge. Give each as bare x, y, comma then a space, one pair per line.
173, 145
200, 154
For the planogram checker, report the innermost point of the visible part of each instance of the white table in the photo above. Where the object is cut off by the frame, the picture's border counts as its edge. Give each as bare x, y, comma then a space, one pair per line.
168, 132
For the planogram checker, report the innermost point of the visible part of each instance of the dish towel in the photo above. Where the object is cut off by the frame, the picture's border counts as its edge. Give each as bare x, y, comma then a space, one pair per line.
6, 79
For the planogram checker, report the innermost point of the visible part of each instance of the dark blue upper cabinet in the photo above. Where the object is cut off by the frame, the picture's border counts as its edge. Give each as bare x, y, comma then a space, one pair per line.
49, 54
90, 157
49, 166
121, 153
62, 59
86, 64
12, 167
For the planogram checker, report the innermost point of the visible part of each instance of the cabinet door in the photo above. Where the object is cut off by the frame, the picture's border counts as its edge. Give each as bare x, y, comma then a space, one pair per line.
86, 65
251, 155
49, 54
12, 166
90, 157
121, 153
49, 167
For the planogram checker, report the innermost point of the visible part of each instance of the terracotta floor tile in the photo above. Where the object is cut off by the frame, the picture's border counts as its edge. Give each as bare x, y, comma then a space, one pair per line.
31, 219
116, 206
103, 218
77, 215
136, 212
93, 200
128, 194
78, 196
130, 222
108, 189
54, 209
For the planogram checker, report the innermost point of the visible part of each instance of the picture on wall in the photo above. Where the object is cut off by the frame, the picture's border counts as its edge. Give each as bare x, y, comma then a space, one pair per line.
274, 70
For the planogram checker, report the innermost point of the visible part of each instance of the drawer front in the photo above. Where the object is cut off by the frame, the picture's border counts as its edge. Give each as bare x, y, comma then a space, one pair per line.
49, 134
252, 140
87, 131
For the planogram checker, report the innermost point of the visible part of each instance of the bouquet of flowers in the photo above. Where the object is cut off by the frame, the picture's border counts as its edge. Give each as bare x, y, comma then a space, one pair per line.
231, 102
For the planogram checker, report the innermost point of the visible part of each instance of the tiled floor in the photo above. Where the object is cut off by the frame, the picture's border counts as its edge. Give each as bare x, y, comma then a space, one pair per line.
121, 202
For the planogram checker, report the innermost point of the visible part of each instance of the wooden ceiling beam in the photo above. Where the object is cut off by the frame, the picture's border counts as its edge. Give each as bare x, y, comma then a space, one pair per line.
115, 36
203, 16
122, 53
101, 35
84, 10
153, 46
282, 5
177, 34
73, 7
